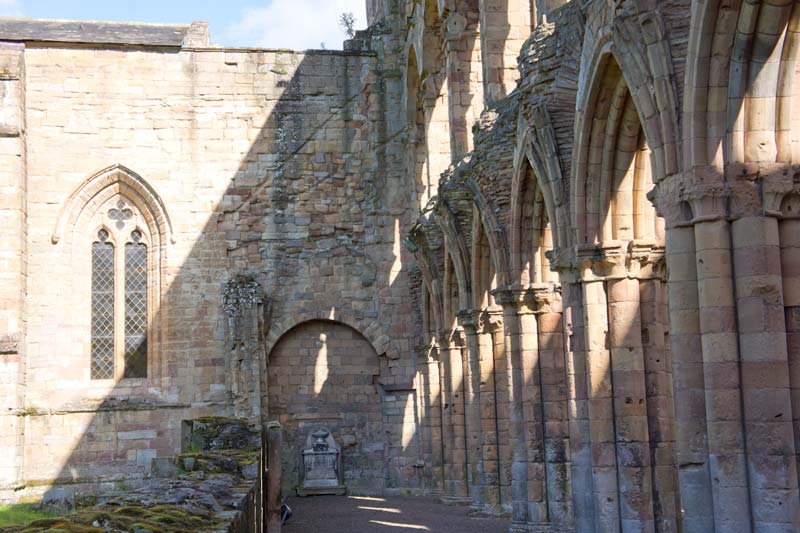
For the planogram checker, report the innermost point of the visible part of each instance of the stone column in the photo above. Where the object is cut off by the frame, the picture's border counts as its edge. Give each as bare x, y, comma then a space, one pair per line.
429, 405
13, 263
554, 387
494, 322
688, 382
435, 409
510, 301
533, 412
660, 416
790, 272
472, 384
630, 406
601, 408
717, 313
453, 416
764, 364
447, 414
580, 444
488, 404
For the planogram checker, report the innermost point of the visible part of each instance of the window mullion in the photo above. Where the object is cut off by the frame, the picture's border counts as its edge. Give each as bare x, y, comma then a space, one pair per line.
119, 310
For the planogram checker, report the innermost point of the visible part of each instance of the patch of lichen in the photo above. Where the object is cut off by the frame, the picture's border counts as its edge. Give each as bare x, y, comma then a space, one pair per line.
158, 519
243, 457
219, 420
217, 433
228, 461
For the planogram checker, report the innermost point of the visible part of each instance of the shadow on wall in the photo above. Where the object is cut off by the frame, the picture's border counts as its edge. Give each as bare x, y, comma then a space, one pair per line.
303, 218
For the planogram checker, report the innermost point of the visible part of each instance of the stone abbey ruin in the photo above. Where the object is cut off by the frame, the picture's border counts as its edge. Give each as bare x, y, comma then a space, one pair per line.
538, 256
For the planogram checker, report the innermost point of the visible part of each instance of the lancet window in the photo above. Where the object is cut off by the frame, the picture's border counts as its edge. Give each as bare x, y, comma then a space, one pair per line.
119, 299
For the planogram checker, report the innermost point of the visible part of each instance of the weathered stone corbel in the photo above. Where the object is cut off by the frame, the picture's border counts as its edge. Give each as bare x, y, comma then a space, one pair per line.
643, 256
601, 260
490, 319
468, 320
9, 343
546, 297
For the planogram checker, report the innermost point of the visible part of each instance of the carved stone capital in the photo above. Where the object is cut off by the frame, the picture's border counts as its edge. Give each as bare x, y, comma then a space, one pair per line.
602, 260
561, 259
707, 201
533, 299
546, 296
457, 27
490, 319
645, 259
9, 343
451, 339
513, 296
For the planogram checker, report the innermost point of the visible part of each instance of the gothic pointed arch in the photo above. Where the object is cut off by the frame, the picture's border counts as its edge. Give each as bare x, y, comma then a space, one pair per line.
457, 251
494, 232
113, 231
116, 178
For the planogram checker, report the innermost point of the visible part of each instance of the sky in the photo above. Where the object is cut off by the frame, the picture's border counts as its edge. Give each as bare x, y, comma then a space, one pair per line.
296, 24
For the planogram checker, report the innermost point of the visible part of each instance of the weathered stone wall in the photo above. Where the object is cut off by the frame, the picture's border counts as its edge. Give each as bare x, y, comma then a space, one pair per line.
622, 393
577, 357
13, 261
255, 163
325, 374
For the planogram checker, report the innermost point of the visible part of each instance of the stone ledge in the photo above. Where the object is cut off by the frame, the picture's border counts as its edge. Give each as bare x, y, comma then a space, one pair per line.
100, 32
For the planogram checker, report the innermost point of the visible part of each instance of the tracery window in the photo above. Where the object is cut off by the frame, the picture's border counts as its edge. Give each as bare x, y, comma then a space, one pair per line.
119, 295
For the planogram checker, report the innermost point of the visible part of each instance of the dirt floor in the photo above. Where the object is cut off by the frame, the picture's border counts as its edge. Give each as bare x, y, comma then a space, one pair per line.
352, 514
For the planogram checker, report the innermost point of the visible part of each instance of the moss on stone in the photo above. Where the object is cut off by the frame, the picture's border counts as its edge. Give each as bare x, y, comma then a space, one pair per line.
158, 519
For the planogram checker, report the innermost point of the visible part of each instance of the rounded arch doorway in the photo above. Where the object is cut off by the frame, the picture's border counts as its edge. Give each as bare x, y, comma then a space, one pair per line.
323, 373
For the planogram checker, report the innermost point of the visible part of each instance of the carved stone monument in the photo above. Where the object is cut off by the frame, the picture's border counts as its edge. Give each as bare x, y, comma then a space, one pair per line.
322, 465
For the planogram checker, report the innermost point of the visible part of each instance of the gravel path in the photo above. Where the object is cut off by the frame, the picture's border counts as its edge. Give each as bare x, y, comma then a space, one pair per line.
351, 514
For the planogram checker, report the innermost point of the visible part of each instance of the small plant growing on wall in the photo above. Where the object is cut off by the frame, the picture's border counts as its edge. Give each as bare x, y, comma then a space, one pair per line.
348, 21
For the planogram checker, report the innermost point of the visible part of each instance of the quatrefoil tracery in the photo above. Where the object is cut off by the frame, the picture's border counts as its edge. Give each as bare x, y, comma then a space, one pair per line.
120, 214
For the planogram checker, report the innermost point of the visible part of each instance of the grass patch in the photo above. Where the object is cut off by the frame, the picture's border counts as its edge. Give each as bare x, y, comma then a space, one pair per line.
158, 519
21, 514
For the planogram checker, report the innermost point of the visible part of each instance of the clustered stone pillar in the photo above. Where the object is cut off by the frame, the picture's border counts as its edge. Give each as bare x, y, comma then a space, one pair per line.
790, 270
494, 322
600, 407
764, 366
629, 404
660, 412
430, 419
488, 408
717, 315
538, 431
516, 391
435, 410
274, 444
580, 442
553, 376
532, 404
472, 384
454, 435
688, 383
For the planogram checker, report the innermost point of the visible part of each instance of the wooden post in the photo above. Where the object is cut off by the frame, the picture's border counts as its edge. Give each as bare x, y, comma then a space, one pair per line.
274, 443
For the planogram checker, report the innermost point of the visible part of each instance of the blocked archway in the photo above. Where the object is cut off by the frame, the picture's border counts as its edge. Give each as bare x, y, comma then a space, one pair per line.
324, 373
